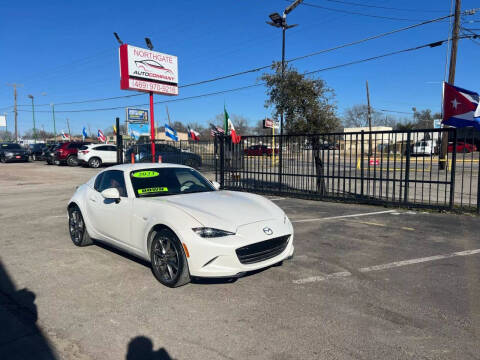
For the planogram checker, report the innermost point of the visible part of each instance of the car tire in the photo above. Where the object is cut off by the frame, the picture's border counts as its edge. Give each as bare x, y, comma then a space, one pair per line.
72, 160
95, 162
2, 160
34, 157
166, 253
77, 228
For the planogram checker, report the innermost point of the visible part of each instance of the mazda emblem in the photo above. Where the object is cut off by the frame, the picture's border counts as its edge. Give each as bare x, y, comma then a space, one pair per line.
267, 231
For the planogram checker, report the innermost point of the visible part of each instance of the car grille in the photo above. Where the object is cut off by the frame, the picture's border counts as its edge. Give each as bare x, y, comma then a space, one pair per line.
263, 250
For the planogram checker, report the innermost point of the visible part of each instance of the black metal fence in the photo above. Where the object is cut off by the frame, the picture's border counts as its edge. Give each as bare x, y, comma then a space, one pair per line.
379, 167
198, 154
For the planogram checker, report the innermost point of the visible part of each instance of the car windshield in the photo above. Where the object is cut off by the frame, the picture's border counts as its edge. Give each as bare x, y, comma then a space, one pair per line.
168, 181
11, 146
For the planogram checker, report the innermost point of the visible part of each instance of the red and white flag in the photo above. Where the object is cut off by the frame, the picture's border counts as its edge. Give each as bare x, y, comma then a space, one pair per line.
461, 107
101, 137
192, 134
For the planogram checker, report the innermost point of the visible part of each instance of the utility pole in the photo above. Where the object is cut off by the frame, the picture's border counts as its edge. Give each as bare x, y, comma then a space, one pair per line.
369, 116
69, 133
15, 107
54, 124
451, 76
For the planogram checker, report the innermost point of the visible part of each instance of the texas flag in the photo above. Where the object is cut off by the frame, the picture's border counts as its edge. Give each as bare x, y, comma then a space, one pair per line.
192, 134
460, 107
101, 136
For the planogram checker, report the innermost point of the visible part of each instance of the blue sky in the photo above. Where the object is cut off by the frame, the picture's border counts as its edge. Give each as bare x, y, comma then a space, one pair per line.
67, 50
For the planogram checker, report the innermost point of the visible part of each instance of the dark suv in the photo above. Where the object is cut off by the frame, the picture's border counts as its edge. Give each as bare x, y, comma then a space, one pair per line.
170, 154
66, 153
36, 151
12, 152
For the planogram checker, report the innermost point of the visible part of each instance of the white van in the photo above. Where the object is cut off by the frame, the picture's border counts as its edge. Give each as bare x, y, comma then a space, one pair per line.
424, 147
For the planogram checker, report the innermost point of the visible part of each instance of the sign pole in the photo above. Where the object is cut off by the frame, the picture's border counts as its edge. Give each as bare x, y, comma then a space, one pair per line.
152, 127
273, 140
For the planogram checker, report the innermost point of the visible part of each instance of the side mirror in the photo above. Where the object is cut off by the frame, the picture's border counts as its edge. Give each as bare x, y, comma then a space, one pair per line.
111, 193
216, 185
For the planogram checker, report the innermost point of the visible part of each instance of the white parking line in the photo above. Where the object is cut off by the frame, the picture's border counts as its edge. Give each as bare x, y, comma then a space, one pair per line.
277, 199
386, 266
343, 216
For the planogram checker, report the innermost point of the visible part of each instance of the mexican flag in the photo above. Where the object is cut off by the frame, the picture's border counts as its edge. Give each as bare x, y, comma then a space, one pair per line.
229, 129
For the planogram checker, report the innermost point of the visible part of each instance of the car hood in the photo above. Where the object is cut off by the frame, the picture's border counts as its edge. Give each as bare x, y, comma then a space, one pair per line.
226, 210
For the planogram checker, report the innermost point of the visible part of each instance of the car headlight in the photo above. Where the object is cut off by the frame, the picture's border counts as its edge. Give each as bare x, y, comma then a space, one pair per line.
206, 232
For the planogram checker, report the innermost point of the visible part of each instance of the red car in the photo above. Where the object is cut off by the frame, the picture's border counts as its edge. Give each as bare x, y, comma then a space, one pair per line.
462, 147
258, 150
66, 153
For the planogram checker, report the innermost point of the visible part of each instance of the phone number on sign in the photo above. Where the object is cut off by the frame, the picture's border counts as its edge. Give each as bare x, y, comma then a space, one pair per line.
151, 86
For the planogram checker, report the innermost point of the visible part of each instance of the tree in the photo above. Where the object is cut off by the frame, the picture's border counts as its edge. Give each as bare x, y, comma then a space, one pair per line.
423, 119
308, 107
357, 116
307, 104
6, 136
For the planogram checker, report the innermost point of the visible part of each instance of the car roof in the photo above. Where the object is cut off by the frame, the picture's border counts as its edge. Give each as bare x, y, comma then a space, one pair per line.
140, 166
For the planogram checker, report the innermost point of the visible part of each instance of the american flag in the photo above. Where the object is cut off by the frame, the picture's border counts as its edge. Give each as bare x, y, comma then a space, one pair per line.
216, 130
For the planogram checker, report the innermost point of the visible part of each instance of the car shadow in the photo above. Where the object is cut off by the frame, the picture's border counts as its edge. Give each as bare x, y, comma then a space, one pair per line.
20, 337
194, 279
141, 348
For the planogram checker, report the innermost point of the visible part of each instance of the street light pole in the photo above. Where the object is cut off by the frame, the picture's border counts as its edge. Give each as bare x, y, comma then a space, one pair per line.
281, 22
33, 115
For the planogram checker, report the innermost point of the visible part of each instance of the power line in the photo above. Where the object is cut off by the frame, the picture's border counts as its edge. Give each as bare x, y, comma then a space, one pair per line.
262, 67
434, 44
357, 13
382, 7
372, 37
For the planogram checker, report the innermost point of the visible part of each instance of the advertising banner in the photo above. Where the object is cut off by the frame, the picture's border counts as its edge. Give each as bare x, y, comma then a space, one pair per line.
137, 116
135, 130
147, 70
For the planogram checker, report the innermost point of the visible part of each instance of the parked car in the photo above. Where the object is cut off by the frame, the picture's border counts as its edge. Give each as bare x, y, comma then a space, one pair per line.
462, 147
94, 155
12, 152
49, 154
259, 150
169, 154
67, 152
36, 151
210, 232
423, 147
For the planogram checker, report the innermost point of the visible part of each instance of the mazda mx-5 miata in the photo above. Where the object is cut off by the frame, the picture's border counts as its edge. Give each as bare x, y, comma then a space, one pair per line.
174, 217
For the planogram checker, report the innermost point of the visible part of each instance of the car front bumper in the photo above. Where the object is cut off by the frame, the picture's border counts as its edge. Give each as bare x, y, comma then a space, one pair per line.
218, 257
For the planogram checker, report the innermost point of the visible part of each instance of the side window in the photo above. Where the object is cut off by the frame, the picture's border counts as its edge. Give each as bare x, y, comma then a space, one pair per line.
98, 182
101, 148
114, 179
111, 148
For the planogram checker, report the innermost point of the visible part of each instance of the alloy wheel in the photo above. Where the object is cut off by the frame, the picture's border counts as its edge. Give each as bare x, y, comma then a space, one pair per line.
166, 259
76, 226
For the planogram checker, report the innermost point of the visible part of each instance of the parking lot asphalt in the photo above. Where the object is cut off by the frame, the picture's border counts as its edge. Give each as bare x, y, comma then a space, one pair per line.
365, 283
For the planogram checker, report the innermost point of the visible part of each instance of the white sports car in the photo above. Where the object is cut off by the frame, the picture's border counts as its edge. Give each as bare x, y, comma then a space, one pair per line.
175, 218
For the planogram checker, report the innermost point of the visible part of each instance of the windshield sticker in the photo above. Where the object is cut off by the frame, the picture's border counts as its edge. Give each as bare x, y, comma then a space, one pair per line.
152, 190
145, 174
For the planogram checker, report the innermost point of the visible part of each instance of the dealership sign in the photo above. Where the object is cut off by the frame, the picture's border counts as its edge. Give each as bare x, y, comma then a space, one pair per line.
270, 123
137, 116
149, 71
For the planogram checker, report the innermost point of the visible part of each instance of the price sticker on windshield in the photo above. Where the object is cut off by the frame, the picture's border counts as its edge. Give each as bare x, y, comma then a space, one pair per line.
145, 174
152, 190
